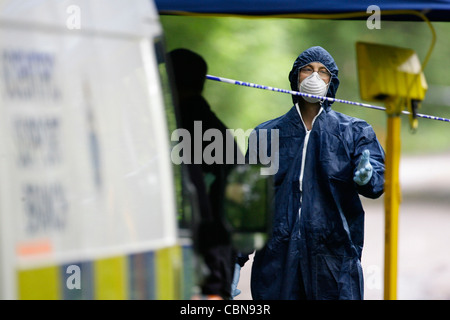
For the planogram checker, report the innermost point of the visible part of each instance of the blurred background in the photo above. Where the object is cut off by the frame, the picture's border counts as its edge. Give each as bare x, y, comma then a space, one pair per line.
262, 51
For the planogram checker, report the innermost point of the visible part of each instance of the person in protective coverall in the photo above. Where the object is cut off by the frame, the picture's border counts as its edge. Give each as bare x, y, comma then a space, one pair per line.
326, 160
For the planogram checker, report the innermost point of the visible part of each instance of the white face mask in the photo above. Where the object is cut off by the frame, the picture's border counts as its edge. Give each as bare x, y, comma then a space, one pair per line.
313, 84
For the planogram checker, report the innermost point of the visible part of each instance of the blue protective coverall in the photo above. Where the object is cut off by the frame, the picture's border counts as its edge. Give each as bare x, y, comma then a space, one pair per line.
315, 248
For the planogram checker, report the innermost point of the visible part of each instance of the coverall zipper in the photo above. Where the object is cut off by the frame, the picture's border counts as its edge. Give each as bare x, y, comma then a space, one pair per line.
305, 146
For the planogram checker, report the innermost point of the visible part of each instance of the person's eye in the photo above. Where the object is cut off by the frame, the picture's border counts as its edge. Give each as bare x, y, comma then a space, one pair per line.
324, 73
307, 69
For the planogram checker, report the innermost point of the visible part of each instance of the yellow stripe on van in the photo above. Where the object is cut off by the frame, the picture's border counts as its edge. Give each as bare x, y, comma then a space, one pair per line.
110, 276
168, 273
39, 284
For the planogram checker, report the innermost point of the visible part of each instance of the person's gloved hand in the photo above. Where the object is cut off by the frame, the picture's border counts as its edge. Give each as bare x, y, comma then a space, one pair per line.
237, 272
364, 170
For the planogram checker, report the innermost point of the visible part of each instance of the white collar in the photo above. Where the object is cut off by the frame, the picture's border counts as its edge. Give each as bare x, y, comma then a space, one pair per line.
300, 114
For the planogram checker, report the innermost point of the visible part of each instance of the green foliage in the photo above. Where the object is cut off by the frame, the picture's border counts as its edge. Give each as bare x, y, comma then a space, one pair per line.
262, 50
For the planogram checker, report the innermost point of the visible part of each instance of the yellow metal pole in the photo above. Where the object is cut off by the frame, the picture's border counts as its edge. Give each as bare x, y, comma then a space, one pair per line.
391, 201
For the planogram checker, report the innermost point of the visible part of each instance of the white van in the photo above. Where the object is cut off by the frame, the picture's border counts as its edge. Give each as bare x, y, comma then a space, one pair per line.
87, 198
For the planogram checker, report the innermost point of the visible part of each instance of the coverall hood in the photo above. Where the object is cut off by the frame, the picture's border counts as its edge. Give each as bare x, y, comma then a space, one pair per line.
315, 54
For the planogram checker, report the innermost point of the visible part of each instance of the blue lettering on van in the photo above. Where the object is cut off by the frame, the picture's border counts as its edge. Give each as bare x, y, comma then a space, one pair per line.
29, 75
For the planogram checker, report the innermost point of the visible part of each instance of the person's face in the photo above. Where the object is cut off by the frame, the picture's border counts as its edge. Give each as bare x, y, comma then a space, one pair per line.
318, 67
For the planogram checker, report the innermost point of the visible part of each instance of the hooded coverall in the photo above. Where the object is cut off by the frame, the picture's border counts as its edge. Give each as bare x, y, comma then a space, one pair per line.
314, 251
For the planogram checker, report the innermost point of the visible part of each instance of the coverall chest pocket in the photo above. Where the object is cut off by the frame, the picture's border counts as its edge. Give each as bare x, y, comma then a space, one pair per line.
336, 162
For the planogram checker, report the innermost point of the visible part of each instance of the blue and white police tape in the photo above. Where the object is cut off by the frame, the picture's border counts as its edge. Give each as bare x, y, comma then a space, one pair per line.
258, 86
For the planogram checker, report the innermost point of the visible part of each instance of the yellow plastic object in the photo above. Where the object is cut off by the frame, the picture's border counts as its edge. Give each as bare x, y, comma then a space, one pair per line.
389, 72
394, 76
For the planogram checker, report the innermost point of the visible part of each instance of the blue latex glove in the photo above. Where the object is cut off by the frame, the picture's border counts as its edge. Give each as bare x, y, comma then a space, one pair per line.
237, 273
364, 170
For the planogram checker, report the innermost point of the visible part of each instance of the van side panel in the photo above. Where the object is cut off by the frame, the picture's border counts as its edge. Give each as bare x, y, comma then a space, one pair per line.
87, 203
